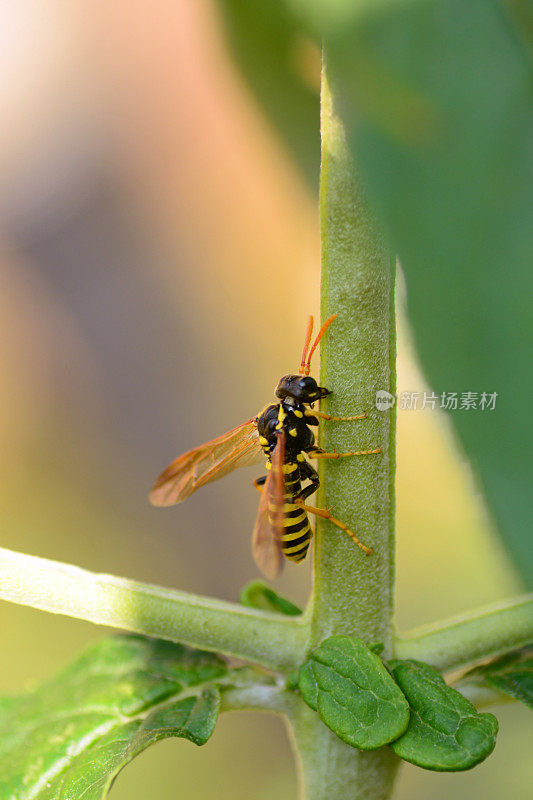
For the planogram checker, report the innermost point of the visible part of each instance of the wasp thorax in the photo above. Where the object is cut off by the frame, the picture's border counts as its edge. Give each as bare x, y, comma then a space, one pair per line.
301, 387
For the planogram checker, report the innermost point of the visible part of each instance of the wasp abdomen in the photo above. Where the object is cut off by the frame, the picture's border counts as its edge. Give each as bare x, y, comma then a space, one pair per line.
296, 535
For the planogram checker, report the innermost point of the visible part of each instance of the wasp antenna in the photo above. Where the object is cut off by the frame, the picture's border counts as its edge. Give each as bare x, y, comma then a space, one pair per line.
320, 334
306, 343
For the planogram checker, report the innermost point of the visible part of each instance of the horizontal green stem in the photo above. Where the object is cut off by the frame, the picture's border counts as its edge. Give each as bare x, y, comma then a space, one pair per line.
463, 640
272, 640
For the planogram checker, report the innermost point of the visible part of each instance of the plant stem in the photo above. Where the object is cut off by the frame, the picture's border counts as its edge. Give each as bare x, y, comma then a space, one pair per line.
463, 640
329, 769
272, 640
352, 593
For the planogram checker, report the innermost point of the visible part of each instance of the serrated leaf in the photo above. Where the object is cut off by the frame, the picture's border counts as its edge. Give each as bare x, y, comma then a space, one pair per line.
445, 732
511, 674
257, 594
71, 737
354, 695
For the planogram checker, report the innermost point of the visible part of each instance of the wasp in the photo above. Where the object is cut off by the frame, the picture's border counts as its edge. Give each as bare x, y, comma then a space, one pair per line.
282, 434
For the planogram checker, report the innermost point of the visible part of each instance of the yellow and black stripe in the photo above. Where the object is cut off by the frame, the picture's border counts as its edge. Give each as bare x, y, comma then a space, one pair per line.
297, 533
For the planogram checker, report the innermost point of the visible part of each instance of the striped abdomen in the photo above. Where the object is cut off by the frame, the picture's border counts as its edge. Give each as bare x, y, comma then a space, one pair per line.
297, 533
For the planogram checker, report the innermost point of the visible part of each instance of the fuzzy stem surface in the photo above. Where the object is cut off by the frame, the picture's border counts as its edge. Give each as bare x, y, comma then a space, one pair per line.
272, 640
463, 640
353, 593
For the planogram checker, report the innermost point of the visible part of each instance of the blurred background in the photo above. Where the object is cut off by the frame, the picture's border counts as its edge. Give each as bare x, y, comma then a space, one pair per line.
148, 216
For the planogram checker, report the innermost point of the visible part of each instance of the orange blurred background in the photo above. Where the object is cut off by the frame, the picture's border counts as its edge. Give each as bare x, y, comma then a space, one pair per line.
159, 254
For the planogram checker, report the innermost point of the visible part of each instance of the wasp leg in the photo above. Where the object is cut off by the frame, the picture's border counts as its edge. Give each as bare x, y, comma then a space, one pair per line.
308, 472
259, 482
328, 417
325, 514
317, 452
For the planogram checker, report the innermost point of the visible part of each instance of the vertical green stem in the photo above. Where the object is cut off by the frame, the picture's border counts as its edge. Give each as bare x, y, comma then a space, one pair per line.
329, 769
353, 593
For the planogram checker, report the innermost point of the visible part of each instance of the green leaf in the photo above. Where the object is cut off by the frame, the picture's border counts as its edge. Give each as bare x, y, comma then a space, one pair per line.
353, 693
71, 737
273, 53
511, 674
437, 98
445, 731
257, 594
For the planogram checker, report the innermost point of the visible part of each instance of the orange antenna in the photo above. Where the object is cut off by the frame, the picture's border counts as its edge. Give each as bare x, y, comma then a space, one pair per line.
306, 344
321, 333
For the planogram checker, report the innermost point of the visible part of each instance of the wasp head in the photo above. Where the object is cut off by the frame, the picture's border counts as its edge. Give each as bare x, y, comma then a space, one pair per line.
302, 388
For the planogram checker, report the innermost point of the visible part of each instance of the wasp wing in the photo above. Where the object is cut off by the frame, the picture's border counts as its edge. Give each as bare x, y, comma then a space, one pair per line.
266, 538
210, 461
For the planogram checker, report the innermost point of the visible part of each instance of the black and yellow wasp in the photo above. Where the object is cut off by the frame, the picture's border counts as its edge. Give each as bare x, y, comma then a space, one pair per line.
281, 433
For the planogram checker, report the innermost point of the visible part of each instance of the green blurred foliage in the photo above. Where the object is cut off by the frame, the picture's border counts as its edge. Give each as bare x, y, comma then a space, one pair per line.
437, 101
266, 40
455, 190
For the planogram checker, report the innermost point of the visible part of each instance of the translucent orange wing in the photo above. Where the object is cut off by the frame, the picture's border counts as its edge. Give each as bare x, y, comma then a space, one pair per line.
206, 463
268, 527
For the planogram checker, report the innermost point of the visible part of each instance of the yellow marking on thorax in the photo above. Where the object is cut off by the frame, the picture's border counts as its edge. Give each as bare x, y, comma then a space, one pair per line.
281, 418
298, 413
